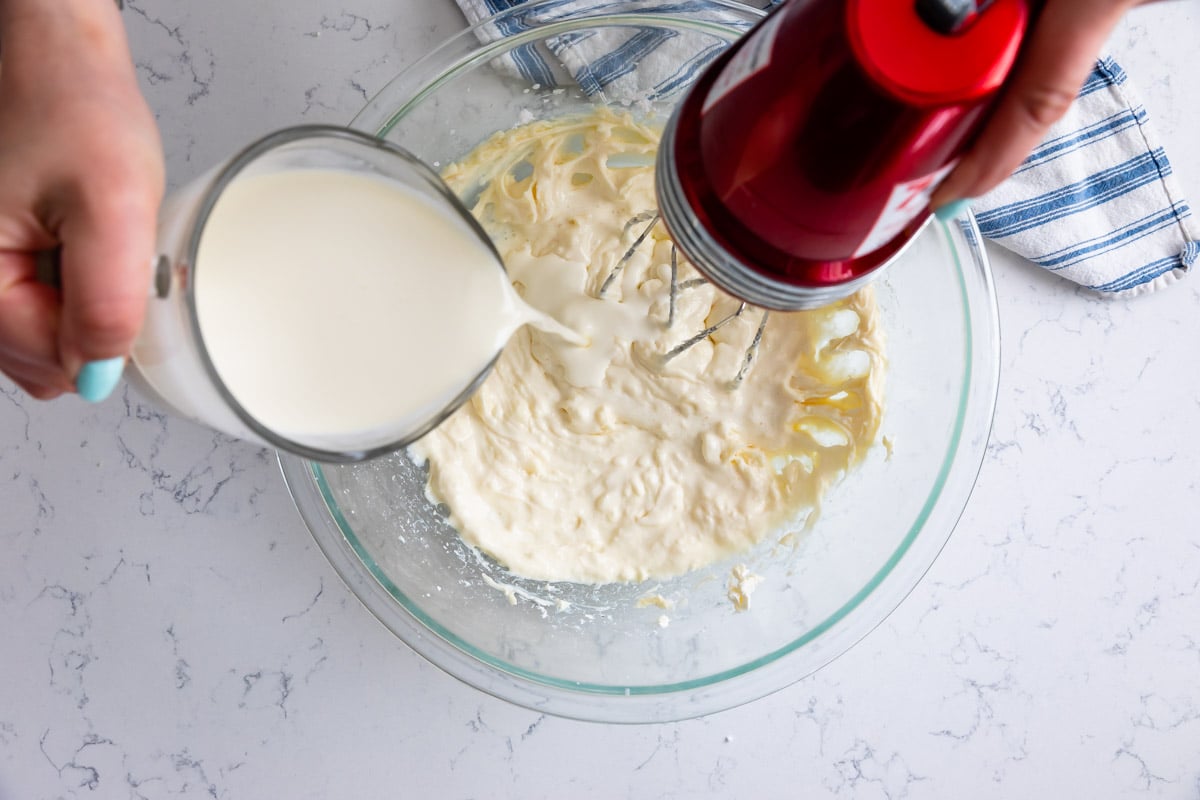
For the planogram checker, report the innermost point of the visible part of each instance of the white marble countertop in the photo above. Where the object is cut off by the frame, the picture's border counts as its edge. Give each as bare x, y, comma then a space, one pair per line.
170, 630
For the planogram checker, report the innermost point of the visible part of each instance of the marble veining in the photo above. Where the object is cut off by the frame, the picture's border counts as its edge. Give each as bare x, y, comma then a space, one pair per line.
170, 630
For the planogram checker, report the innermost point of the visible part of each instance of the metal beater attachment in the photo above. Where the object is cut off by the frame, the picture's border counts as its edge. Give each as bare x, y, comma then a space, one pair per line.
650, 219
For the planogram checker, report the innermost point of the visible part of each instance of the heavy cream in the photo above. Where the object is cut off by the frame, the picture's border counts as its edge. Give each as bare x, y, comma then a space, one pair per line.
344, 311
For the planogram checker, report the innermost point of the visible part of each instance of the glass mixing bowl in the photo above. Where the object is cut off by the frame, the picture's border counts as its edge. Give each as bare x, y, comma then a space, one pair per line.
604, 652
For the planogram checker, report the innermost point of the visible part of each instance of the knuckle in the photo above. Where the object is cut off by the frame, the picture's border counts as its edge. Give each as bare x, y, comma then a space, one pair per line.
107, 322
1042, 106
43, 392
128, 173
37, 389
126, 190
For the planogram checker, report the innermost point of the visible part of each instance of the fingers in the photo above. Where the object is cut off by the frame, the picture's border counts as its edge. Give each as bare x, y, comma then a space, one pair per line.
29, 313
77, 336
81, 167
107, 248
1062, 49
36, 384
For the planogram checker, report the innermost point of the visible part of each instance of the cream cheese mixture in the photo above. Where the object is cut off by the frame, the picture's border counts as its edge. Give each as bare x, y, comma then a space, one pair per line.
604, 463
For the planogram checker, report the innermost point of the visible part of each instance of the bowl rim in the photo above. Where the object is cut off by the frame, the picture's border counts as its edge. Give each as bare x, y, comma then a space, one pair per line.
634, 13
757, 677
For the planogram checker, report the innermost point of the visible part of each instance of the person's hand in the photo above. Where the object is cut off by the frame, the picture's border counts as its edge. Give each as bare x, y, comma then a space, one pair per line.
1059, 54
81, 168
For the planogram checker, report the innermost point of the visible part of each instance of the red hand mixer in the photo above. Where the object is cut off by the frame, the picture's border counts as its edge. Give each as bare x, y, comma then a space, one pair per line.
803, 160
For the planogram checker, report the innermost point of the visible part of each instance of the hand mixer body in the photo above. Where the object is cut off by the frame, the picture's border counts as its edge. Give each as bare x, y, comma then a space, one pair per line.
803, 160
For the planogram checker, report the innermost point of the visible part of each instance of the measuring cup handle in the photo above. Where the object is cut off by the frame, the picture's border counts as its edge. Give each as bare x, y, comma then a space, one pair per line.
48, 269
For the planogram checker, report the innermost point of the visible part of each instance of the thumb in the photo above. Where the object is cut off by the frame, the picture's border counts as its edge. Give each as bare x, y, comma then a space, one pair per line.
107, 247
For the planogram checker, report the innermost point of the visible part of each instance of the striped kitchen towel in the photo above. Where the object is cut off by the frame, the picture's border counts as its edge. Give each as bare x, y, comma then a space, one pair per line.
610, 65
1096, 202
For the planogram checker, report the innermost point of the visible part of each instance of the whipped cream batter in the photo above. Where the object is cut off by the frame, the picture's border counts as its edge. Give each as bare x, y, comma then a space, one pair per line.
602, 463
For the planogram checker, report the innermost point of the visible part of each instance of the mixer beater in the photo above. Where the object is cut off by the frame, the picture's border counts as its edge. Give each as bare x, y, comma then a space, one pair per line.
649, 219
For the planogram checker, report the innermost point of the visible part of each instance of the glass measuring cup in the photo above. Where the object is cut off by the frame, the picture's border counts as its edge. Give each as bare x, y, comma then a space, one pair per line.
171, 361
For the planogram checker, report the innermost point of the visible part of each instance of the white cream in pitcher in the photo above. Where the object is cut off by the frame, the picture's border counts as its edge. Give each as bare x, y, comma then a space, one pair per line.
342, 310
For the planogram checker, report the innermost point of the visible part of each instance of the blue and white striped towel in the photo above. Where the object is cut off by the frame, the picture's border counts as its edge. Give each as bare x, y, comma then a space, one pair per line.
1095, 203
